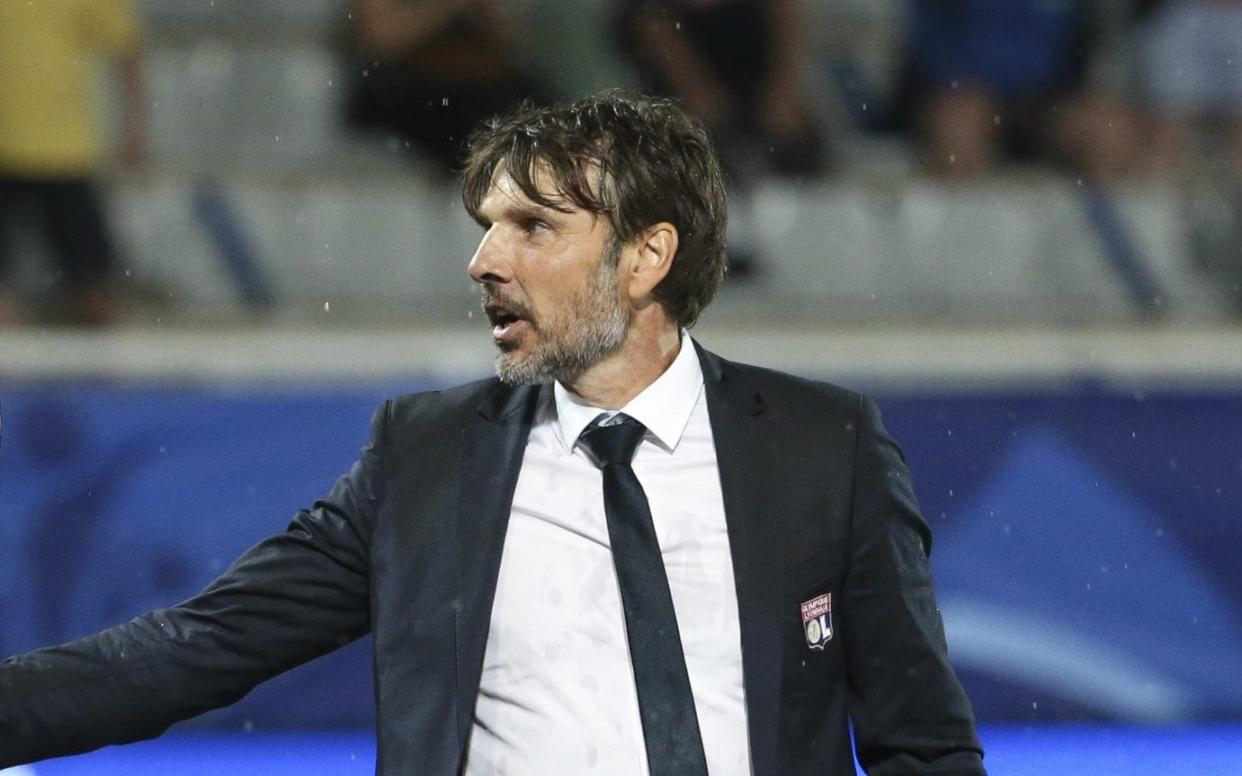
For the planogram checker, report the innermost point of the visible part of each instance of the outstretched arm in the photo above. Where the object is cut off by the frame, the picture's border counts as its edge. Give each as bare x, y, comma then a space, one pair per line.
289, 599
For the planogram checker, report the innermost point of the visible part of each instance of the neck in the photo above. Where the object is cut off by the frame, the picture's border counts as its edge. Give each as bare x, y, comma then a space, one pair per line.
648, 350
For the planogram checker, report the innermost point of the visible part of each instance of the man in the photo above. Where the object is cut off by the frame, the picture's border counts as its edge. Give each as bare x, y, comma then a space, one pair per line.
737, 66
428, 71
543, 597
51, 140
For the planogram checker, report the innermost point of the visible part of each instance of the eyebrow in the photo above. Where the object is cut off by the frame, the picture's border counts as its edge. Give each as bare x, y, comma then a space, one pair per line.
515, 211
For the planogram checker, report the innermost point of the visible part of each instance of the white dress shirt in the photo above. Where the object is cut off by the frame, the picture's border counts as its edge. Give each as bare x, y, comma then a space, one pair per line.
557, 694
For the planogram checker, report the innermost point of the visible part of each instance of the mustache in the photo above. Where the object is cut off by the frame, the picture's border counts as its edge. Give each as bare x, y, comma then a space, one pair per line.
499, 309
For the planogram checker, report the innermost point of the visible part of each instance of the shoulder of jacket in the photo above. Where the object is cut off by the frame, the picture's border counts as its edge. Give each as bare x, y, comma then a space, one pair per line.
790, 387
444, 404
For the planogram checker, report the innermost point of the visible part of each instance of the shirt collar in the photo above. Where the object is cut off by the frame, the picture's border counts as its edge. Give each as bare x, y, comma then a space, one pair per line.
664, 407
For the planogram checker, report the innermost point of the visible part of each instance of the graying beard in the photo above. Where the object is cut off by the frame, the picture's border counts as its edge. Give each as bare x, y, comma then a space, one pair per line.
564, 365
567, 360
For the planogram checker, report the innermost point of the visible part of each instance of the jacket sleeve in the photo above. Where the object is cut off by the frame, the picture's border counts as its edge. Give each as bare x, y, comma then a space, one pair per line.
909, 712
290, 598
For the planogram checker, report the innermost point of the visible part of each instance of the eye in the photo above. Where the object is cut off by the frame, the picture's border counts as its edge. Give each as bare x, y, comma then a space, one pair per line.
532, 225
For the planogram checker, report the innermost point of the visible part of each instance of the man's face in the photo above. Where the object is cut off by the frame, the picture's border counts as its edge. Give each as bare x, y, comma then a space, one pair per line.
549, 285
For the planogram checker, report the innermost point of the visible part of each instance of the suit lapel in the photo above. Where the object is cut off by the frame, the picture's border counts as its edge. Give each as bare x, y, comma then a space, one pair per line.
494, 444
751, 486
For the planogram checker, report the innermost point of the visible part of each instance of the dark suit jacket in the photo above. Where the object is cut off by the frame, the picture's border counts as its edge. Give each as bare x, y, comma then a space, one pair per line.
407, 545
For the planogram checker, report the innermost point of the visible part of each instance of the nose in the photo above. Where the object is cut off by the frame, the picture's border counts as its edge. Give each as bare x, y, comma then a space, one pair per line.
488, 264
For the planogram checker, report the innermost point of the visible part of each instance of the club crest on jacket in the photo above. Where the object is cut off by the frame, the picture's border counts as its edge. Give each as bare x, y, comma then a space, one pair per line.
817, 620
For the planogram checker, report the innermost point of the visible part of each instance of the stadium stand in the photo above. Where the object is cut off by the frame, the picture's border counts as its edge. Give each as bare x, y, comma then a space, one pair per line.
247, 104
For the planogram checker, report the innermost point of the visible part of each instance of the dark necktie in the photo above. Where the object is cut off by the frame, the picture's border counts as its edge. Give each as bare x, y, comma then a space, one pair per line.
665, 703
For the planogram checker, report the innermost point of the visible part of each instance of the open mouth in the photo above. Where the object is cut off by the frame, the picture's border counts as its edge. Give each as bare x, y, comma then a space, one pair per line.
504, 325
506, 318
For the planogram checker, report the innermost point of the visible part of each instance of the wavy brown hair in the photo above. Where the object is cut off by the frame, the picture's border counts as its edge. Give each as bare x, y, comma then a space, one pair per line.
653, 163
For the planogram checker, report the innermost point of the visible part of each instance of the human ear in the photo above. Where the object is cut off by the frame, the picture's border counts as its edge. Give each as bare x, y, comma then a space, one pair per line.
653, 253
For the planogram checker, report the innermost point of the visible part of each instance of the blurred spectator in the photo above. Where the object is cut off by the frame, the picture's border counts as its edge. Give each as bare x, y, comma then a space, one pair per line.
1191, 78
429, 71
1191, 74
51, 146
1099, 129
990, 80
737, 66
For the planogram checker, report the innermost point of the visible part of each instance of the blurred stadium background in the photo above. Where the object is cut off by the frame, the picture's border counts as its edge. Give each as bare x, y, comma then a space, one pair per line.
1060, 356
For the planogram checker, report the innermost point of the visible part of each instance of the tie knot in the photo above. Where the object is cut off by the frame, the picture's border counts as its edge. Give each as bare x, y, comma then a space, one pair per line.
613, 440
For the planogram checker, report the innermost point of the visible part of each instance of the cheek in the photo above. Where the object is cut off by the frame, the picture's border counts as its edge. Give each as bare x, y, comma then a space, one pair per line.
550, 295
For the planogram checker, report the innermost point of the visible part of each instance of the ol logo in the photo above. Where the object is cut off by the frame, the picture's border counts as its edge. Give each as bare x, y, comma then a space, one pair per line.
817, 620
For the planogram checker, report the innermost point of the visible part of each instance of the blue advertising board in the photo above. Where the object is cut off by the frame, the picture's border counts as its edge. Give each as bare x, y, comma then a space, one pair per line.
1085, 540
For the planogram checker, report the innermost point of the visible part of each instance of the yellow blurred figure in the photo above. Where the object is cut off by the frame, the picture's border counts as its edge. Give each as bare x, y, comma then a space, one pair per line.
50, 52
52, 133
